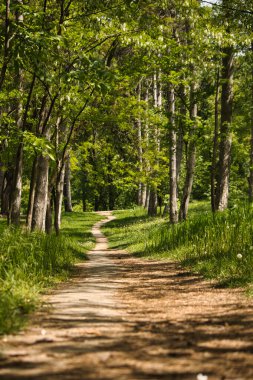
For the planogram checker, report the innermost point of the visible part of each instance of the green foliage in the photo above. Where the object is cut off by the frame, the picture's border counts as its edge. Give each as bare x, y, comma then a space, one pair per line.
31, 262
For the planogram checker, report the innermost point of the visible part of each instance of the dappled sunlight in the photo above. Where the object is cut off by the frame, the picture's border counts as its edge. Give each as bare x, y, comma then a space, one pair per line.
123, 318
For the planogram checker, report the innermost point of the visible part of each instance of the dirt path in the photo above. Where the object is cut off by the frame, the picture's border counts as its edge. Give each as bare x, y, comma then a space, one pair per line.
121, 318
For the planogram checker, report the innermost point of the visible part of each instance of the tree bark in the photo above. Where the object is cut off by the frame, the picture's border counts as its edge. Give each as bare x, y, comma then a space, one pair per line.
6, 193
251, 139
49, 213
146, 162
152, 204
225, 129
144, 194
67, 187
16, 191
173, 156
41, 192
31, 194
1, 180
190, 164
147, 197
58, 200
6, 43
215, 144
180, 135
140, 149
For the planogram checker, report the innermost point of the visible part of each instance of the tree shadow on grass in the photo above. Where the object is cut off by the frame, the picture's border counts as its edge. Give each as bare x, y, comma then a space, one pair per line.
125, 222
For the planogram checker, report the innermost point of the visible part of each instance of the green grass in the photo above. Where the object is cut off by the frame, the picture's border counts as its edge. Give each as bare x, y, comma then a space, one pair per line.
32, 262
219, 246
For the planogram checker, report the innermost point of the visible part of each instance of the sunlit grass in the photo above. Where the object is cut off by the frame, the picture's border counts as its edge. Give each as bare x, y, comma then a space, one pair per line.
219, 246
31, 262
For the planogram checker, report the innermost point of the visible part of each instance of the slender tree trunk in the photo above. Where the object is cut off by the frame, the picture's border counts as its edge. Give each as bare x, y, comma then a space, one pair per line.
140, 150
1, 180
6, 193
146, 163
144, 194
215, 143
225, 130
152, 205
58, 200
173, 157
180, 135
153, 199
190, 165
6, 43
140, 194
31, 194
16, 192
41, 192
67, 187
147, 197
84, 196
49, 213
251, 140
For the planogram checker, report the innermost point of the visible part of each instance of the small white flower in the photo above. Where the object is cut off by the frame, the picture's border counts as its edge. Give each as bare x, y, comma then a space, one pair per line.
239, 256
43, 332
200, 376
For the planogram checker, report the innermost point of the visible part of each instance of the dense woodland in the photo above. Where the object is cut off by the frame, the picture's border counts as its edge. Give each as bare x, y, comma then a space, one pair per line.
118, 103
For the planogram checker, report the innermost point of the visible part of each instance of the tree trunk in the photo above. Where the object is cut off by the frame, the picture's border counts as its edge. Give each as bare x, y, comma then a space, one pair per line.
140, 149
152, 205
215, 144
7, 38
49, 213
180, 139
84, 186
157, 98
41, 192
1, 181
31, 194
225, 130
173, 157
191, 160
67, 187
147, 197
251, 140
144, 194
58, 200
6, 193
16, 191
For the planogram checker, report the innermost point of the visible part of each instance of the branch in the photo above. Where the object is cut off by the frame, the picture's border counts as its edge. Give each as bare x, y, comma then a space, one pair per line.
72, 130
228, 8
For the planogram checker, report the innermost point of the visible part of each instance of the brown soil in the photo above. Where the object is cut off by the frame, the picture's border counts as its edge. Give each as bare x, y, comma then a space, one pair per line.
122, 318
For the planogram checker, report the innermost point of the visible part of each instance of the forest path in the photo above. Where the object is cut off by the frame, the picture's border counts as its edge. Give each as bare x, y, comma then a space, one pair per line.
121, 318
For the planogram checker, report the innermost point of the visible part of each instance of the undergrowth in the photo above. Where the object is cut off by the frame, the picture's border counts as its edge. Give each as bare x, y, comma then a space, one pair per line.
31, 262
219, 246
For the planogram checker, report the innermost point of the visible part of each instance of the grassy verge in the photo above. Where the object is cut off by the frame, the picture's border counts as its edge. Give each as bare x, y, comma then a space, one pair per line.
31, 262
218, 246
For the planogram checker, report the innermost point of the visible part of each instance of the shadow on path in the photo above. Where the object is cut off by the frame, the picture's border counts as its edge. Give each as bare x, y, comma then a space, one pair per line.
123, 318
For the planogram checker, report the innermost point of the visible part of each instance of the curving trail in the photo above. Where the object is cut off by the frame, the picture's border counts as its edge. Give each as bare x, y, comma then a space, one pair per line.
120, 318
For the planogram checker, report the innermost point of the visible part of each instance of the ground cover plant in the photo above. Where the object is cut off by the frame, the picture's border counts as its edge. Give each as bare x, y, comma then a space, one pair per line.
217, 245
32, 262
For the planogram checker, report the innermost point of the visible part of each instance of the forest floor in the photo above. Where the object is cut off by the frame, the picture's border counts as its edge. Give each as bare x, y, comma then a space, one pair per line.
125, 318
